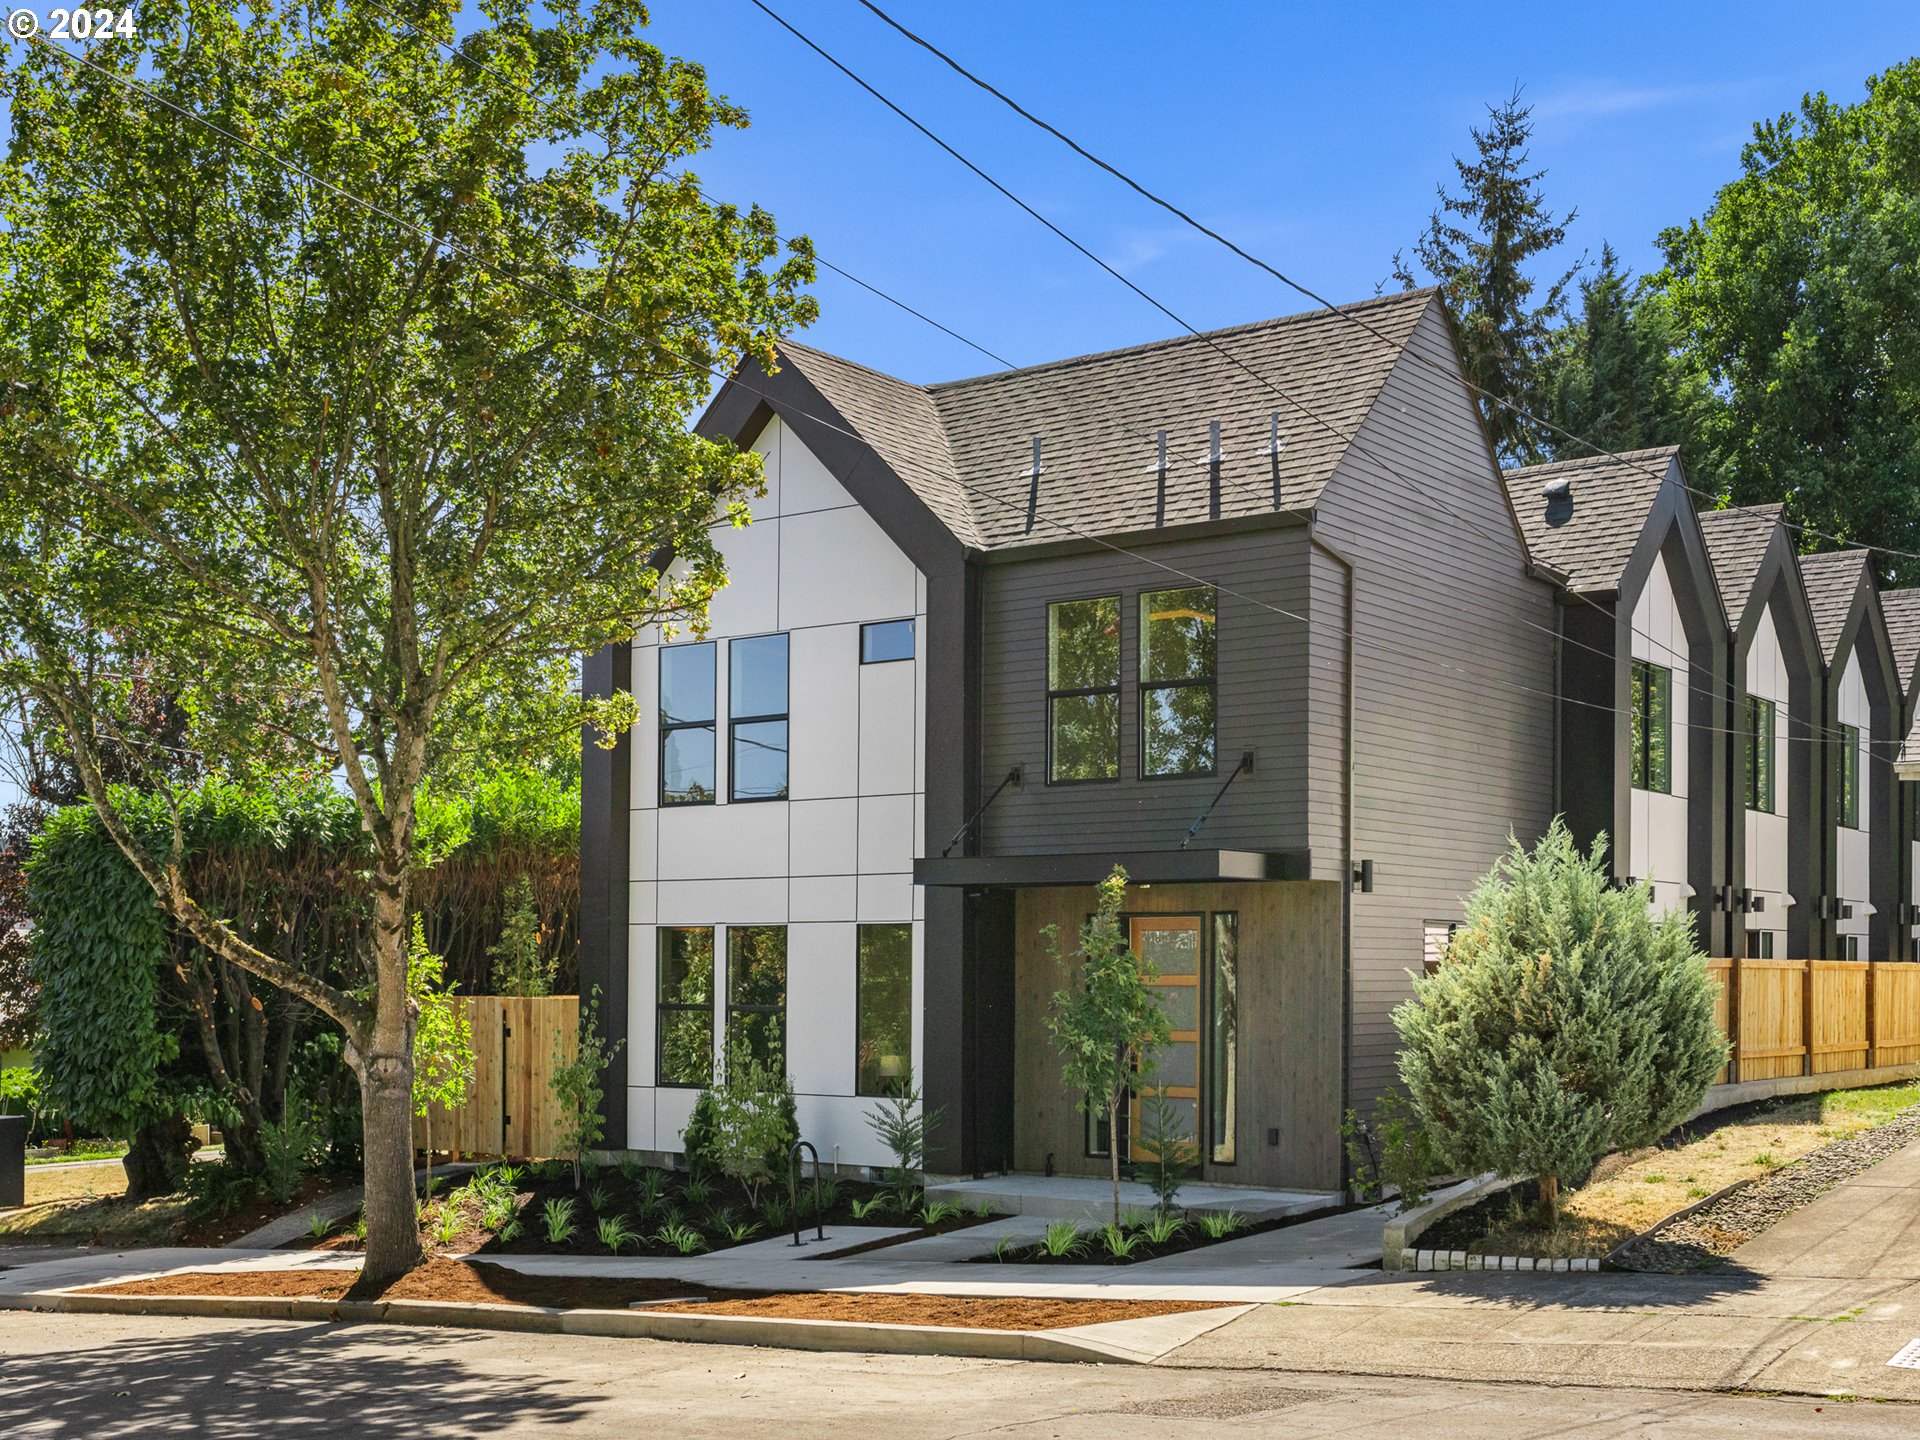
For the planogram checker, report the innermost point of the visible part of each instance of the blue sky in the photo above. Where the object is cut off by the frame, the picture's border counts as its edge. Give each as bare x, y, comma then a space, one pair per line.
1313, 134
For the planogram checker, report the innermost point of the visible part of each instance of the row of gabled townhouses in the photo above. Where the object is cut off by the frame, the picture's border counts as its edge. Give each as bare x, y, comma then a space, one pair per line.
1257, 616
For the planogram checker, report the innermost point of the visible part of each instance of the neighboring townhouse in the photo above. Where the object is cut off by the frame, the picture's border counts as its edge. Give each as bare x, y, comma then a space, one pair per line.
1901, 610
1860, 718
1248, 613
1773, 722
1643, 671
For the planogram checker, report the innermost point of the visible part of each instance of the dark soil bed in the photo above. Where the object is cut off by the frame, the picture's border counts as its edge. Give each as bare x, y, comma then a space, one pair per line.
251, 1214
477, 1282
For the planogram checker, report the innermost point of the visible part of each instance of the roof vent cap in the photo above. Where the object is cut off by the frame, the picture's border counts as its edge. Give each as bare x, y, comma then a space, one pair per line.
1561, 489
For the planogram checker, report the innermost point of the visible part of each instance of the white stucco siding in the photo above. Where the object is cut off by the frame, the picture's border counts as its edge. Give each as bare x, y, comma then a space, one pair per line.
1853, 853
1657, 833
838, 852
1766, 832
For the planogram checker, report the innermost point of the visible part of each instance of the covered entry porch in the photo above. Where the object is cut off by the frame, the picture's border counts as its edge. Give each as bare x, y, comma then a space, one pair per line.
1249, 963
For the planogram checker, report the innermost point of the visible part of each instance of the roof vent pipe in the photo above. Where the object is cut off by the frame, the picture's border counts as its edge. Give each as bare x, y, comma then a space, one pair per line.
1561, 489
1213, 469
1033, 485
1160, 480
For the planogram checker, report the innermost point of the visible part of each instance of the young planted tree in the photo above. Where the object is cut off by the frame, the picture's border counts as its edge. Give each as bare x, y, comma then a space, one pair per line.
1108, 1024
344, 386
443, 1057
1567, 1022
1480, 246
578, 1086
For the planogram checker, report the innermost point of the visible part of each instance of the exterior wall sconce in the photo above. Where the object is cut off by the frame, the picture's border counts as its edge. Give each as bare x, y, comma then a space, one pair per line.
1363, 877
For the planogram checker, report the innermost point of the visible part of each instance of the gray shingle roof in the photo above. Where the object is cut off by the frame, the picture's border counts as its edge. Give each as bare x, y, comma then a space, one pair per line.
965, 446
1831, 580
1902, 609
1591, 537
1737, 540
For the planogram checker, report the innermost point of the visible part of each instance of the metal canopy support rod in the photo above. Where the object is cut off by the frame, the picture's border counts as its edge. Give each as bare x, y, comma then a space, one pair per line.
1246, 764
1013, 778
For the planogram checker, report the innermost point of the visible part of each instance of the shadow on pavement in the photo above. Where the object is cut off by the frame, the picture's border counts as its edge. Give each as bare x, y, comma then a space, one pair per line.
299, 1380
1606, 1290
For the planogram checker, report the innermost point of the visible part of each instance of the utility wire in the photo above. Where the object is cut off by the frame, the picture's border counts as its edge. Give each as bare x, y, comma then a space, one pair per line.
293, 167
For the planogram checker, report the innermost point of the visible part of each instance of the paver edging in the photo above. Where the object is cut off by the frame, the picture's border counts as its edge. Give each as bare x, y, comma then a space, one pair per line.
1401, 1231
792, 1334
1428, 1260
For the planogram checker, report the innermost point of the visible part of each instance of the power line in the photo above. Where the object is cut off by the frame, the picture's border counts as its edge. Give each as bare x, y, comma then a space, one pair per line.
550, 106
1351, 440
467, 252
1519, 411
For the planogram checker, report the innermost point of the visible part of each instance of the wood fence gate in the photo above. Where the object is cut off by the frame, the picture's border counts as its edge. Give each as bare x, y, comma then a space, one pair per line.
1816, 1017
510, 1109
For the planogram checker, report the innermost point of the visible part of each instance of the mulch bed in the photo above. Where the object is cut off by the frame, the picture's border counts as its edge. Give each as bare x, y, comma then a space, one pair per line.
477, 1282
1192, 1237
1706, 1237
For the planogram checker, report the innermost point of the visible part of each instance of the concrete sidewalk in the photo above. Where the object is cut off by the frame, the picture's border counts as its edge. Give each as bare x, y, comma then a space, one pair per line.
1817, 1305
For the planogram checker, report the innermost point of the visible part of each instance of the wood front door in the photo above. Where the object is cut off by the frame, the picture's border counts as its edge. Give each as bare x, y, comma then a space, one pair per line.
1171, 946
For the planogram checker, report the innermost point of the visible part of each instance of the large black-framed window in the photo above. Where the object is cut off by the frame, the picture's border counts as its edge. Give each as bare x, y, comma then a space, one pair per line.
1652, 727
687, 724
1177, 682
757, 718
1850, 776
1761, 715
883, 1009
1083, 690
757, 992
684, 1005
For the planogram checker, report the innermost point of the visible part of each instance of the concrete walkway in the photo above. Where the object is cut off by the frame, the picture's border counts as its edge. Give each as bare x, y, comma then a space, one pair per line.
1087, 1199
1817, 1305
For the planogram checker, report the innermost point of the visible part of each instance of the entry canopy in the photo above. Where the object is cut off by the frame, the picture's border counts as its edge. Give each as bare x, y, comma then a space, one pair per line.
1143, 867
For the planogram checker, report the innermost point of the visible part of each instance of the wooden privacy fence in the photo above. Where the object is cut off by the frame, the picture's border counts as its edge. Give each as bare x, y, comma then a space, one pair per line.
510, 1109
1816, 1017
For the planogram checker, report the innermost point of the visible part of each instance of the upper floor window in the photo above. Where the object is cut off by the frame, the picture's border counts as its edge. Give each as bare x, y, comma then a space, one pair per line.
1176, 682
1850, 776
1760, 725
757, 710
1083, 690
1651, 740
886, 640
686, 724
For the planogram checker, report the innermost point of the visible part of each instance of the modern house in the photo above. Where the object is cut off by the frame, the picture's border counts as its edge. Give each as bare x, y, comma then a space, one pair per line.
1248, 614
1772, 718
1901, 610
1256, 616
1860, 719
1643, 667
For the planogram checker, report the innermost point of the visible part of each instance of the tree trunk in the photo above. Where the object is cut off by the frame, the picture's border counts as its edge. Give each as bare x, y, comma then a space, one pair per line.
157, 1158
1113, 1154
386, 1093
1549, 1208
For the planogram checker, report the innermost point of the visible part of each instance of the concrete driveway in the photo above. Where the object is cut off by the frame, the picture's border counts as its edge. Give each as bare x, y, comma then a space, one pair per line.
1817, 1305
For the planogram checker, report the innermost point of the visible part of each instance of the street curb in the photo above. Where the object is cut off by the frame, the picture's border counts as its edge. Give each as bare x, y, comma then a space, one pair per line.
1072, 1346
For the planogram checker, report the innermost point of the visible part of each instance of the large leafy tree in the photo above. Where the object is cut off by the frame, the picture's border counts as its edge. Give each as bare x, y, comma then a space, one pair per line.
1480, 247
1799, 293
355, 418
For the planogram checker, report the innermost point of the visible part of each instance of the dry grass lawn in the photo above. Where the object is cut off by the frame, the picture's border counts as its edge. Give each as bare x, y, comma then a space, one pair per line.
1630, 1192
84, 1182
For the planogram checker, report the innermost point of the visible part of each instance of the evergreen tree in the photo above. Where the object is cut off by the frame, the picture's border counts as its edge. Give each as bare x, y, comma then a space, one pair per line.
1477, 249
1566, 1022
1611, 376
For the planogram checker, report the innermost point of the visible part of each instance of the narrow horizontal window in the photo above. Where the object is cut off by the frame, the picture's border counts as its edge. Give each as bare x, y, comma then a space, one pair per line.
1177, 682
886, 640
757, 711
687, 724
1083, 690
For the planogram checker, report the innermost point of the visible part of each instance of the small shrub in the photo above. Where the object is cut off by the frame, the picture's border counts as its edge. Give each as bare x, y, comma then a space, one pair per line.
318, 1225
614, 1233
738, 1232
597, 1198
217, 1187
754, 1123
697, 1192
1063, 1240
360, 1227
497, 1212
981, 1209
289, 1150
510, 1231
862, 1209
684, 1238
1007, 1246
652, 1185
1162, 1227
939, 1212
1222, 1223
1120, 1243
777, 1212
1765, 1160
628, 1167
450, 1225
507, 1175
558, 1215
576, 1086
829, 1196
1392, 1150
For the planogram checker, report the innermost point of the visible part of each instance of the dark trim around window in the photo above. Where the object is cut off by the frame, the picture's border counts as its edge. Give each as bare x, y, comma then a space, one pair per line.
1150, 687
880, 642
1084, 692
773, 730
690, 726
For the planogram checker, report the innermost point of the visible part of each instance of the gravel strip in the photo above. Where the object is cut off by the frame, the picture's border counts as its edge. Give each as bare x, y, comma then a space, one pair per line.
1708, 1236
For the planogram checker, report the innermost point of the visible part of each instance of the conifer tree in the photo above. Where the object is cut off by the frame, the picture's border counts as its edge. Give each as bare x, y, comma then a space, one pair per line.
1478, 248
1566, 1022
